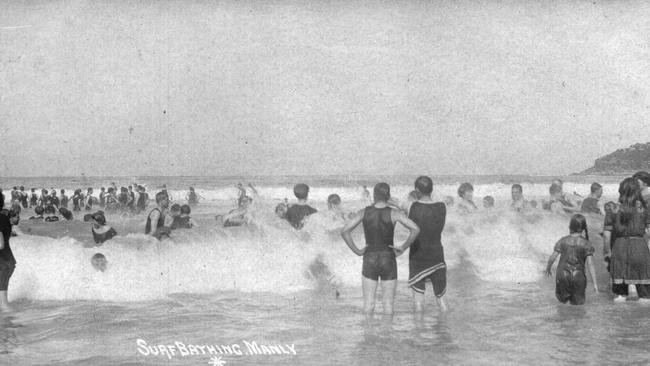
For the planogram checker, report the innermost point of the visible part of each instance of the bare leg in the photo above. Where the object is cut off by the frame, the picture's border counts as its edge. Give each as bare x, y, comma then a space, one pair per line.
388, 296
4, 302
442, 303
418, 301
369, 289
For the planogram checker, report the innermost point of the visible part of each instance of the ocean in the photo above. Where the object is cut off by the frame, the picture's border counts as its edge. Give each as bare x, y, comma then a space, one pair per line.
243, 295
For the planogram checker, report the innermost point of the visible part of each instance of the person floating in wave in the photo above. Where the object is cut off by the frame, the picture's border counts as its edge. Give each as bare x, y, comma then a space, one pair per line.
8, 219
575, 252
518, 204
99, 262
591, 204
379, 254
426, 254
238, 216
297, 213
466, 204
101, 231
155, 225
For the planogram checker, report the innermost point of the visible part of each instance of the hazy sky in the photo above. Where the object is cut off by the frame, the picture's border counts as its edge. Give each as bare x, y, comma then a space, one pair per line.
320, 87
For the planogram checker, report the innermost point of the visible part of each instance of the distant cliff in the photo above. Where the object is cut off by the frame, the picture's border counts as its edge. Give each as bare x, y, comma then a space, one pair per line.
631, 159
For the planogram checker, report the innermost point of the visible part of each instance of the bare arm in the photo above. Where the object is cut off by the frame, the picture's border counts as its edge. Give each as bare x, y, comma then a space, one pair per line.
414, 230
551, 260
592, 272
607, 244
346, 232
2, 241
154, 216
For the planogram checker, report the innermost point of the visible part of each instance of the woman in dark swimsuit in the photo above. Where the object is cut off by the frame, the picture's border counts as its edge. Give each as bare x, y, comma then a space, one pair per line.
427, 257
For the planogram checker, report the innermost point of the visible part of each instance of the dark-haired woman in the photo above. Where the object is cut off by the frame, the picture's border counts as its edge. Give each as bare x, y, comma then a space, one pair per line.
624, 235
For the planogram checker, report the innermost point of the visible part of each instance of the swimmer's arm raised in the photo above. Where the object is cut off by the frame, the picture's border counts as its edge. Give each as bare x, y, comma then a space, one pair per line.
346, 232
414, 230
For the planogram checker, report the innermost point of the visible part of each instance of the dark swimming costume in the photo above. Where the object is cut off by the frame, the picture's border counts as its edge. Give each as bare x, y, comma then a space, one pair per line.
107, 235
181, 223
378, 259
33, 200
161, 221
570, 279
297, 213
52, 218
6, 270
590, 205
102, 199
426, 255
379, 264
192, 198
142, 199
6, 255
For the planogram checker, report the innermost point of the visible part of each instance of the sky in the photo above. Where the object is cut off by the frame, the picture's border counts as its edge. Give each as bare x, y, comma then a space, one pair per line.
124, 88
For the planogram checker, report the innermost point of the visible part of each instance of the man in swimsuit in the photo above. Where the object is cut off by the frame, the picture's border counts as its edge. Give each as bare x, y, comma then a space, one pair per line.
591, 204
426, 256
156, 218
297, 212
379, 253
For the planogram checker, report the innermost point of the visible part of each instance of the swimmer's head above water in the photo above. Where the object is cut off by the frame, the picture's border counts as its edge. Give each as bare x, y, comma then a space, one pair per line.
99, 262
381, 192
301, 191
333, 200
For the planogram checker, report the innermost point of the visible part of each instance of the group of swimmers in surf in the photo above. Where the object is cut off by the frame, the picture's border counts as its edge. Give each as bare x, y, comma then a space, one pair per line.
625, 224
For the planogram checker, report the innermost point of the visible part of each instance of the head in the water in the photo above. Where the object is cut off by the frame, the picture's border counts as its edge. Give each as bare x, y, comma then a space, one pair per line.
99, 262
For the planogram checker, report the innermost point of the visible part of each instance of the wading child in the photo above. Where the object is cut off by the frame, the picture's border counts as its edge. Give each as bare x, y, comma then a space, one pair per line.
575, 251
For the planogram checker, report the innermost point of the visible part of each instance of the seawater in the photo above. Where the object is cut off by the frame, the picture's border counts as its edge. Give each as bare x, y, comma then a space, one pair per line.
250, 285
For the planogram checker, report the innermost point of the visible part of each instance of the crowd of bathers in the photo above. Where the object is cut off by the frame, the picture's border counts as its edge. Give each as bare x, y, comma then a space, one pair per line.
47, 204
625, 224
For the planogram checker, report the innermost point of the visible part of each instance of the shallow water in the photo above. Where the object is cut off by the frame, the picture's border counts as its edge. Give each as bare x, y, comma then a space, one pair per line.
235, 286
